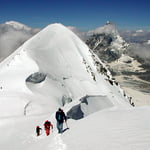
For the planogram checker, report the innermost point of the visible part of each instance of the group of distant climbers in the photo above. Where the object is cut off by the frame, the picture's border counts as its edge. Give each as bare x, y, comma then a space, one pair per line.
60, 118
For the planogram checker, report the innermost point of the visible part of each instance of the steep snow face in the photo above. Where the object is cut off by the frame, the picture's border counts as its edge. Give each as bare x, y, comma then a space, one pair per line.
60, 64
59, 48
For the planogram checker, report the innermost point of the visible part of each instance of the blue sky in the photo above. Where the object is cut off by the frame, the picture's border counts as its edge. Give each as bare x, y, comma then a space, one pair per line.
84, 14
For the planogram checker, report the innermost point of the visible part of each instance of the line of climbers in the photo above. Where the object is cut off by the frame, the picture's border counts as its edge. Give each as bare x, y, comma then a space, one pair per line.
60, 118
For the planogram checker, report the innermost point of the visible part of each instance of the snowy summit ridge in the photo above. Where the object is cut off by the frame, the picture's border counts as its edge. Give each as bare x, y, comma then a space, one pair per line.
61, 63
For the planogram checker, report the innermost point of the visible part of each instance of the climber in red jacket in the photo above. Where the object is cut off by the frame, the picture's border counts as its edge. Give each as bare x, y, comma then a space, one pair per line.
47, 126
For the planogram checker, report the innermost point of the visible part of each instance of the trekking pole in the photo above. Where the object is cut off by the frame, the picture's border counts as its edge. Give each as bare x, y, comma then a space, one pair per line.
66, 124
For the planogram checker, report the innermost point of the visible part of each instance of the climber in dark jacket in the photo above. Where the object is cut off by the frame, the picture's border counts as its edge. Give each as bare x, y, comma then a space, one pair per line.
38, 130
60, 117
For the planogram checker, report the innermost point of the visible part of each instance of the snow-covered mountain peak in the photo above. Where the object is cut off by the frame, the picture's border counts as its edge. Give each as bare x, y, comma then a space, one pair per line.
58, 46
107, 43
109, 31
52, 65
17, 25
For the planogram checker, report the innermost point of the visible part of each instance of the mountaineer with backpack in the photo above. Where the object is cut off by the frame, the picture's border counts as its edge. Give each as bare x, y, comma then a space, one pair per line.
47, 126
60, 117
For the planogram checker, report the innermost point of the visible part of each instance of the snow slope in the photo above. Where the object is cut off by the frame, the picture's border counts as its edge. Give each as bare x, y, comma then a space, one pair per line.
111, 129
56, 69
67, 63
121, 129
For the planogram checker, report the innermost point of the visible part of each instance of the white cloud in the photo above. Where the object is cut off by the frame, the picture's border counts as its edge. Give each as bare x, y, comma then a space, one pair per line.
136, 36
140, 50
11, 38
82, 35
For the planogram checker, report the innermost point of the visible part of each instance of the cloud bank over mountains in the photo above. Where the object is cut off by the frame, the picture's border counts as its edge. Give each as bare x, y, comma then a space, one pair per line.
138, 36
14, 34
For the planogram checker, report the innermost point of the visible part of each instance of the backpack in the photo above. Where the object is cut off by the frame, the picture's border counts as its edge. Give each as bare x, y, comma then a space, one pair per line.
47, 124
59, 116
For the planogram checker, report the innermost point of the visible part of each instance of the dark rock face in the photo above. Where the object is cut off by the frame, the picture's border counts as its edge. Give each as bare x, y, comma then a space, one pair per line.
36, 78
101, 45
99, 41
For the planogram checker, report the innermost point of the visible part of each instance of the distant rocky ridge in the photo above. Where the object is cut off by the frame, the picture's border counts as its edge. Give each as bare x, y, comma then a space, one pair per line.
112, 49
129, 68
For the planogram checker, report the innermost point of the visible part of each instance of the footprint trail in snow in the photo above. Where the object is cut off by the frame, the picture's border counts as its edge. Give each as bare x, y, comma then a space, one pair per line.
57, 143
